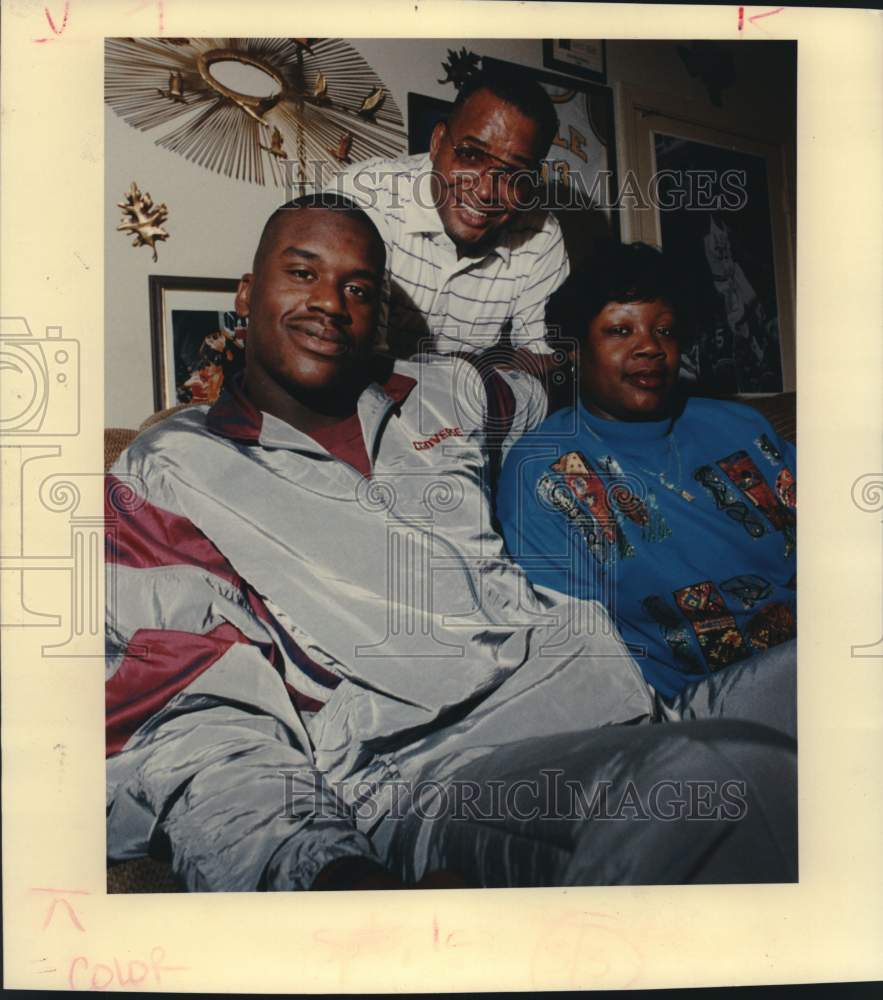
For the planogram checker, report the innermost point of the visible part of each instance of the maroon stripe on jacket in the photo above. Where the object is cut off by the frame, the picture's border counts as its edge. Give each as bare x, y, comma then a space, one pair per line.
303, 702
398, 387
143, 685
149, 537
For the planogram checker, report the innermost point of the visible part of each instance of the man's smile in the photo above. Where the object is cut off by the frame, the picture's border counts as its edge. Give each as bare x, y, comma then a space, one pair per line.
477, 216
319, 337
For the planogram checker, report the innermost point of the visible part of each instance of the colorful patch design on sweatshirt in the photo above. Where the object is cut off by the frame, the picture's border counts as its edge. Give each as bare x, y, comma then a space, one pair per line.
675, 633
554, 493
715, 627
786, 489
588, 491
728, 501
748, 589
772, 625
645, 513
769, 450
743, 473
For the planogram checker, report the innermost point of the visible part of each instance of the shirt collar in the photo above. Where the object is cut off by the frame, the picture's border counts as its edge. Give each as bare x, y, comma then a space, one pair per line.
421, 217
234, 416
623, 433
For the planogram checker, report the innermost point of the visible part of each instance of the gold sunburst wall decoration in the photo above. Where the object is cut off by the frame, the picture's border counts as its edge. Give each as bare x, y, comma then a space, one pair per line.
245, 107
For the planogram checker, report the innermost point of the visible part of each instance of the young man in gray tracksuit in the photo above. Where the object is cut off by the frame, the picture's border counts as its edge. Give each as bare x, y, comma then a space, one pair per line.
324, 670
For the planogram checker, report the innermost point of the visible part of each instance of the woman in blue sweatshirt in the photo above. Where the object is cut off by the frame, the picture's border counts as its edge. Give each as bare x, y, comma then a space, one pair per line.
677, 514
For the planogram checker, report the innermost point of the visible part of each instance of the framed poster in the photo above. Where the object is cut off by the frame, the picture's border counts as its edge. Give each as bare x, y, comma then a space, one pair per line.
197, 339
580, 169
424, 113
578, 56
722, 232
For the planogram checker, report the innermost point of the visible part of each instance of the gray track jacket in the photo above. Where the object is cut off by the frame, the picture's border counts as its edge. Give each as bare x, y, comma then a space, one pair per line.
276, 620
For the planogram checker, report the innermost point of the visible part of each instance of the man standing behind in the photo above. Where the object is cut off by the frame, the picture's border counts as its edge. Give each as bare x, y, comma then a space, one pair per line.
468, 257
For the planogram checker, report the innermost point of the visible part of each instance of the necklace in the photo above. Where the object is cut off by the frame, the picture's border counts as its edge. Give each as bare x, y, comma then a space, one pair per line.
682, 493
663, 478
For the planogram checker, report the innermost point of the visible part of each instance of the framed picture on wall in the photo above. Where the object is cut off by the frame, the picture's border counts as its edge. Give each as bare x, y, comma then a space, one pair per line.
424, 113
585, 57
725, 241
722, 204
196, 338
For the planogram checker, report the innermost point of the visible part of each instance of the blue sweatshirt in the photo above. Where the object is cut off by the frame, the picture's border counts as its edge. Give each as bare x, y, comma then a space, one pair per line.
686, 532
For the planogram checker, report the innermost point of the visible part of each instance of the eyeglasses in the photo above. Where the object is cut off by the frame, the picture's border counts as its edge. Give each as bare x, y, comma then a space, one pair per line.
476, 160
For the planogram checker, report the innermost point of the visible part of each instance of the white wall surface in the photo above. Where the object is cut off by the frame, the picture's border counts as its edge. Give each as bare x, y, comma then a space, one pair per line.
214, 222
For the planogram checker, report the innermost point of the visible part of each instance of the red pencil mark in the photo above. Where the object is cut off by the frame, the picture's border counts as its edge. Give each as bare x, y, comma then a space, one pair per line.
103, 974
451, 941
766, 13
347, 946
59, 895
581, 948
63, 892
741, 18
160, 10
71, 912
67, 10
56, 31
356, 939
455, 938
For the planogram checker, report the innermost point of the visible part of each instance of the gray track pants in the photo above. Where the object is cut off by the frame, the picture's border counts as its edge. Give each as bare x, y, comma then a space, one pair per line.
516, 795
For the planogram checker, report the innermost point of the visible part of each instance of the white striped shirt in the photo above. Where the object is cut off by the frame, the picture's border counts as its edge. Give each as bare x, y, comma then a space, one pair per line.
460, 304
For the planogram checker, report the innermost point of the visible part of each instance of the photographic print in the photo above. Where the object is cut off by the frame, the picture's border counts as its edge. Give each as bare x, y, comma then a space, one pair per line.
198, 340
727, 248
466, 255
577, 56
351, 625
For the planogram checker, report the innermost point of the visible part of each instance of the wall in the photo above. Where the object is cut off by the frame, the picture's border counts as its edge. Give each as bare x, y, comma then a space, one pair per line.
214, 222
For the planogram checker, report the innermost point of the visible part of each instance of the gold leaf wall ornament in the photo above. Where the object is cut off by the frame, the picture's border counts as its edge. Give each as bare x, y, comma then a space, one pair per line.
276, 147
176, 88
371, 104
326, 103
342, 152
320, 93
142, 219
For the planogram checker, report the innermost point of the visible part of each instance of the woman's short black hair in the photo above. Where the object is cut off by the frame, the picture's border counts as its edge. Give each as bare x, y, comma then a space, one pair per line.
620, 272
